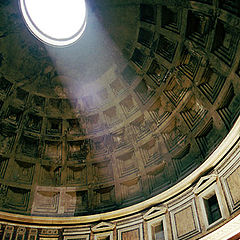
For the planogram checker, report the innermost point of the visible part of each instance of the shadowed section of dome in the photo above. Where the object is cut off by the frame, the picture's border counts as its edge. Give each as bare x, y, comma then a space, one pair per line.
127, 112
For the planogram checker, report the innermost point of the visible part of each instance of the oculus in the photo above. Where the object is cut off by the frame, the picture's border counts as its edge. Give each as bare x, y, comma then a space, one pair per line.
55, 22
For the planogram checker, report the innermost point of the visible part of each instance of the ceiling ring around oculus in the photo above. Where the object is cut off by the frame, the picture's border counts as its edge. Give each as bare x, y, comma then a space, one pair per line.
55, 22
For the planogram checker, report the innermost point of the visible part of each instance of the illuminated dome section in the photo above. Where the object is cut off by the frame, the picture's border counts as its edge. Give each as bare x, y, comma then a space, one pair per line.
55, 22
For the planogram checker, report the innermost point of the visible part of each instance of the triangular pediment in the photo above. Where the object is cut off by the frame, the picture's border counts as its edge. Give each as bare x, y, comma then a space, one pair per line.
103, 226
154, 212
204, 182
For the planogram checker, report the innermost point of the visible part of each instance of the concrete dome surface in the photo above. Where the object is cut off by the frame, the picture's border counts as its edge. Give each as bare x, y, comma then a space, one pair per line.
141, 110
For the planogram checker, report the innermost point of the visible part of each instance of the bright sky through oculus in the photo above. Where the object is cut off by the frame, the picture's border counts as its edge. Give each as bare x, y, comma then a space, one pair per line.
56, 22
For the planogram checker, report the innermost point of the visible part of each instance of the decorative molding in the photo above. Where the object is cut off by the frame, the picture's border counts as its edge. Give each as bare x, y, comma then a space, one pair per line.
155, 212
131, 233
156, 222
204, 182
186, 209
103, 226
103, 236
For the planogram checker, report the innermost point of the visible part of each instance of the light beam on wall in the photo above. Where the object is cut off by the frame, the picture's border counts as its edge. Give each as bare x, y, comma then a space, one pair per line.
55, 22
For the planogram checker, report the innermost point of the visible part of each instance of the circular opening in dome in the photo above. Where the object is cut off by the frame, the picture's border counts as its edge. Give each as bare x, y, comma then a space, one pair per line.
55, 22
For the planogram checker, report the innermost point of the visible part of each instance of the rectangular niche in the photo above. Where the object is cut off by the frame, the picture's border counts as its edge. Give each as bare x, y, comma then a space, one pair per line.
145, 90
102, 96
184, 219
212, 206
68, 106
45, 202
198, 27
38, 102
76, 105
13, 115
157, 113
129, 75
190, 64
18, 199
171, 18
225, 42
158, 72
100, 145
55, 105
6, 142
78, 150
166, 48
131, 190
76, 202
229, 108
120, 139
150, 152
134, 232
211, 84
208, 138
157, 228
112, 116
145, 37
21, 95
148, 13
94, 123
75, 127
193, 113
138, 57
54, 126
127, 163
230, 6
77, 175
29, 146
183, 161
158, 177
104, 197
102, 172
141, 127
34, 123
53, 151
89, 103
23, 172
175, 91
117, 87
103, 236
5, 86
50, 176
173, 136
129, 106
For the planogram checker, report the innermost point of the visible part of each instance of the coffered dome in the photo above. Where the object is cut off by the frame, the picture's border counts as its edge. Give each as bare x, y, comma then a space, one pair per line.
131, 109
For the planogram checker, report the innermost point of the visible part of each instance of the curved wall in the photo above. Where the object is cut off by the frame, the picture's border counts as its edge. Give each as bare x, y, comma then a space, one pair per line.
182, 214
